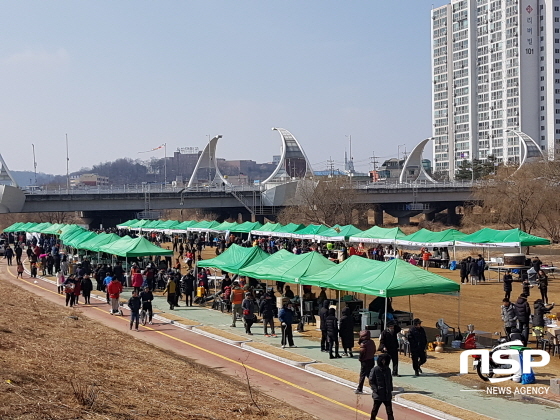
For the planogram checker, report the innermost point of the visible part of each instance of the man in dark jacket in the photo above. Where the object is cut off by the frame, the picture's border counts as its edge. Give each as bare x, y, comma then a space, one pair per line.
508, 281
418, 342
87, 287
346, 331
323, 313
188, 287
286, 318
367, 358
332, 333
266, 308
381, 384
389, 343
134, 303
540, 310
523, 314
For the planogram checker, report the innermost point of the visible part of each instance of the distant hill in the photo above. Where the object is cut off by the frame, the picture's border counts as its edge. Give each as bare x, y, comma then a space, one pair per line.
25, 178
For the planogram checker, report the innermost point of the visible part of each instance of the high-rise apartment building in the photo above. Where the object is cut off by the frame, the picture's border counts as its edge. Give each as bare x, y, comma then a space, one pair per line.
495, 67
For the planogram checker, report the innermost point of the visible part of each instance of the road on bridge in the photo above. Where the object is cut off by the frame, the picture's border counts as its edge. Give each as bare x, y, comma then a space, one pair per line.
316, 395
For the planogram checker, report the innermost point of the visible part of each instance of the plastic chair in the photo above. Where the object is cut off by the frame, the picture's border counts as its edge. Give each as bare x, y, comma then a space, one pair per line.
541, 341
444, 330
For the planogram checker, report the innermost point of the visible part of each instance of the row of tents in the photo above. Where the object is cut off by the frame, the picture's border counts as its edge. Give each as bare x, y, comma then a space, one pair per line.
77, 237
349, 233
355, 274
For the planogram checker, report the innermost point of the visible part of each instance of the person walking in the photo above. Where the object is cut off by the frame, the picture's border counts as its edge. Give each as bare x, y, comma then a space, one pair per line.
114, 290
20, 269
170, 289
418, 342
266, 308
426, 259
134, 304
286, 318
508, 284
523, 314
389, 343
542, 281
381, 384
236, 301
366, 358
508, 316
188, 287
59, 282
346, 331
77, 290
481, 264
248, 306
323, 313
9, 254
87, 287
106, 281
473, 271
137, 279
332, 334
146, 297
69, 285
18, 251
464, 270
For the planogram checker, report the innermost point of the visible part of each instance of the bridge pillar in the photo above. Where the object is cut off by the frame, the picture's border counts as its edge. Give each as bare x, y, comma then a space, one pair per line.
429, 217
452, 218
257, 218
378, 216
403, 220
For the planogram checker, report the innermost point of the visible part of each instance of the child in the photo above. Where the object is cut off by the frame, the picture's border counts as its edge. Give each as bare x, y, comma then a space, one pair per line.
20, 269
34, 270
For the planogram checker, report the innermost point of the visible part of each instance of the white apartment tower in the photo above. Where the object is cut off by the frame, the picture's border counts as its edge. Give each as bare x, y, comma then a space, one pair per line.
495, 67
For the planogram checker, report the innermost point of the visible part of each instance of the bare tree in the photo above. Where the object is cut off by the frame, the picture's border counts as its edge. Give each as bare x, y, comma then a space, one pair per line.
329, 201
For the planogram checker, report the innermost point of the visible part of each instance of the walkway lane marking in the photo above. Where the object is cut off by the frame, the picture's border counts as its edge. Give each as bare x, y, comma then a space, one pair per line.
274, 377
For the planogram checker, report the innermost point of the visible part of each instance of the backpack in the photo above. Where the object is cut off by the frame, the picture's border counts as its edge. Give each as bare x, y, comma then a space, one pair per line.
69, 288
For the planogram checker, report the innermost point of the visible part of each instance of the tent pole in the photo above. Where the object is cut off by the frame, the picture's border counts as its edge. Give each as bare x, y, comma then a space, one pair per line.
385, 320
459, 312
301, 303
409, 305
338, 306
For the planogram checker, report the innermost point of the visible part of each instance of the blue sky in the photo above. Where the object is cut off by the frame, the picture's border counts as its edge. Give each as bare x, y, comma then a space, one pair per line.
121, 77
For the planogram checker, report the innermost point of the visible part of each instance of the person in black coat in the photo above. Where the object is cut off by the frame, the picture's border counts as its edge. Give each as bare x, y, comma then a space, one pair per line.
508, 281
188, 287
332, 334
266, 308
323, 313
463, 270
87, 287
381, 384
473, 271
346, 331
418, 342
389, 343
523, 313
540, 310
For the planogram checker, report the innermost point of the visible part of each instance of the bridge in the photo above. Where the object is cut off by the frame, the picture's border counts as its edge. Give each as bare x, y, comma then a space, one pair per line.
401, 200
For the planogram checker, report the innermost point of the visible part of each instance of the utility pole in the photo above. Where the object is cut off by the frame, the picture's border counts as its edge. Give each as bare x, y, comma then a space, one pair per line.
374, 161
67, 168
330, 166
34, 164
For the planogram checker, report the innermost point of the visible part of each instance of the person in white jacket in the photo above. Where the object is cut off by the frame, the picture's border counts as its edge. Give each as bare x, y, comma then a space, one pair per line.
60, 282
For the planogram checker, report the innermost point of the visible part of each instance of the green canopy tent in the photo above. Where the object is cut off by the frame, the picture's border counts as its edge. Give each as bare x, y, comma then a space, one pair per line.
378, 235
235, 258
288, 231
76, 240
39, 227
266, 229
203, 226
71, 233
338, 233
152, 225
266, 269
182, 226
53, 229
168, 225
493, 238
137, 247
246, 227
139, 224
386, 279
126, 224
95, 242
310, 231
14, 227
26, 226
224, 227
425, 237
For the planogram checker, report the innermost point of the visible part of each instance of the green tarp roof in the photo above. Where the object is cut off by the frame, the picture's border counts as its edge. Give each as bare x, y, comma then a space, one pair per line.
39, 227
387, 279
235, 258
137, 247
76, 240
182, 227
501, 238
338, 233
14, 227
246, 227
94, 243
69, 233
224, 226
378, 235
266, 229
140, 224
425, 237
127, 223
310, 231
203, 226
53, 229
288, 231
285, 266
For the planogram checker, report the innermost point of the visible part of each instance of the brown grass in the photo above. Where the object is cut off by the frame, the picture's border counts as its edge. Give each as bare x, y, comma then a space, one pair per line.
444, 407
280, 352
225, 334
340, 372
59, 364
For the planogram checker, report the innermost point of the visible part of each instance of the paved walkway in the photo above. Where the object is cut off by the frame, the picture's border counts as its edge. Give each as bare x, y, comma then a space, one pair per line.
431, 383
